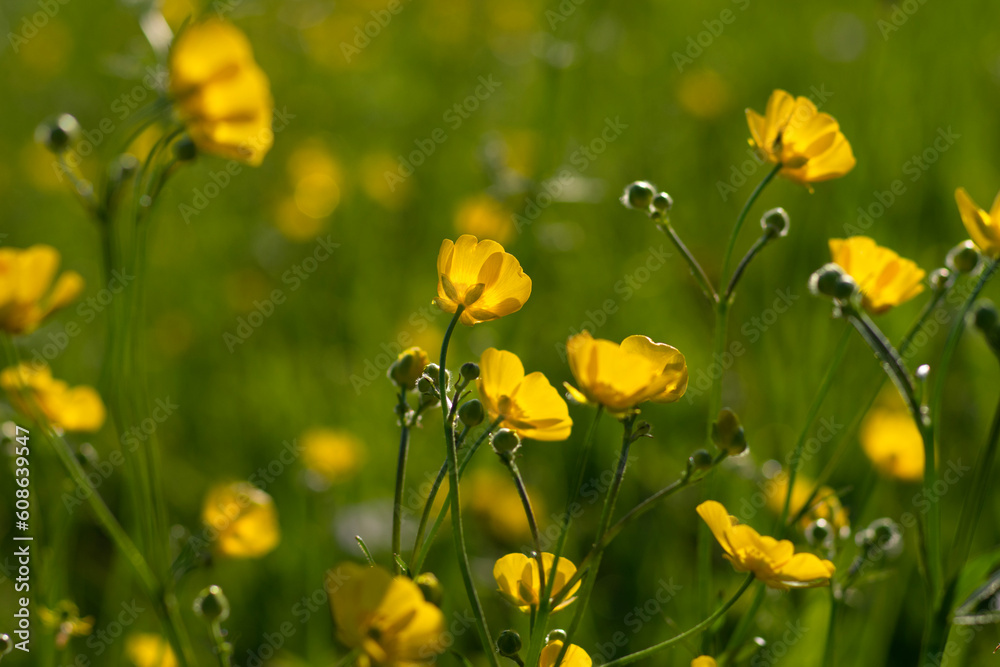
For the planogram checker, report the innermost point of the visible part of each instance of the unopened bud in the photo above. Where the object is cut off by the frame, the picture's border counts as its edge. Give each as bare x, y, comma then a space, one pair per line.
6, 645
700, 460
663, 202
556, 635
57, 133
509, 643
775, 223
469, 371
471, 413
963, 258
185, 150
642, 430
728, 434
986, 316
832, 281
939, 279
431, 588
425, 385
639, 195
408, 367
818, 532
505, 441
212, 605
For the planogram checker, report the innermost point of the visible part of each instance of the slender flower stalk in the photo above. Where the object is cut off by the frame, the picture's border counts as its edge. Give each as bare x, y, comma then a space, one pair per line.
741, 218
404, 446
696, 269
529, 513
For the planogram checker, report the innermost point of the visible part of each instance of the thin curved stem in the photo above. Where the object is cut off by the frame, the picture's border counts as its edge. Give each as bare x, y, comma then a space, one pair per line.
529, 513
741, 218
696, 269
744, 263
404, 447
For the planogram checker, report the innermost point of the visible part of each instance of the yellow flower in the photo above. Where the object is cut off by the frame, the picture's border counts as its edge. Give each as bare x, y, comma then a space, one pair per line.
884, 278
385, 616
482, 277
65, 621
244, 518
335, 455
148, 650
529, 404
220, 92
703, 661
25, 281
495, 504
484, 217
892, 440
772, 561
808, 144
575, 656
518, 581
69, 408
825, 504
983, 227
621, 377
408, 367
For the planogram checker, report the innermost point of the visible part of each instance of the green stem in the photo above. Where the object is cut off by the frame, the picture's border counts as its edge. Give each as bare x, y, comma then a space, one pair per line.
456, 504
745, 262
522, 491
404, 446
731, 246
350, 658
829, 647
696, 270
716, 615
223, 649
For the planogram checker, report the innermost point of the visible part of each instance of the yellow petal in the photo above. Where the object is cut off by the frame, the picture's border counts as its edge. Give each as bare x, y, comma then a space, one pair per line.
575, 656
983, 230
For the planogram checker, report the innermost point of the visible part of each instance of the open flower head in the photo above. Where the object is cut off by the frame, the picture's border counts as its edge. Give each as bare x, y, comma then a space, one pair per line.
27, 293
518, 580
69, 408
772, 561
891, 439
808, 144
884, 278
244, 518
575, 656
145, 649
387, 617
983, 226
528, 403
480, 276
621, 377
220, 93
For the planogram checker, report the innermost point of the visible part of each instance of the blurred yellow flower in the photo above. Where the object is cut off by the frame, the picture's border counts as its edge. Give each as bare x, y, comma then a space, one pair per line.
65, 621
704, 93
220, 92
825, 505
703, 661
385, 616
519, 583
495, 504
27, 294
808, 144
69, 408
529, 404
484, 217
335, 455
148, 650
892, 440
772, 561
575, 656
620, 377
983, 227
480, 276
244, 518
408, 367
884, 278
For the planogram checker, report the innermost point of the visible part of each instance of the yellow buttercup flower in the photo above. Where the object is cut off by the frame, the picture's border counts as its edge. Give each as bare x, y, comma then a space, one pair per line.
983, 227
884, 278
528, 403
244, 518
220, 93
27, 295
772, 561
69, 408
334, 455
148, 650
825, 505
518, 580
892, 440
386, 616
575, 656
621, 377
703, 661
480, 276
408, 367
808, 144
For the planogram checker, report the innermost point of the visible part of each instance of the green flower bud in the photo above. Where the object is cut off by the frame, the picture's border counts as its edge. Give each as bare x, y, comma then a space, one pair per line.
6, 645
963, 258
505, 441
469, 371
471, 413
556, 635
939, 279
425, 385
775, 223
986, 316
212, 605
663, 202
818, 532
700, 460
185, 150
509, 643
639, 195
58, 133
728, 434
832, 281
431, 588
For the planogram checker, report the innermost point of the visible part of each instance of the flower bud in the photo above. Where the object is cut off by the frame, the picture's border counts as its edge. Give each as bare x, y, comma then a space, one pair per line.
884, 534
963, 258
728, 434
212, 605
6, 645
469, 371
184, 149
985, 316
431, 588
642, 430
775, 223
471, 413
505, 441
663, 202
509, 643
818, 532
939, 279
700, 460
425, 385
639, 195
832, 281
556, 635
58, 133
408, 367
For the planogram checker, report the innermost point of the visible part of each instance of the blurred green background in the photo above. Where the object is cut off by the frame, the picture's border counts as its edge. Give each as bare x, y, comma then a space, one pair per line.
896, 76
